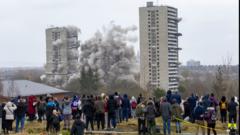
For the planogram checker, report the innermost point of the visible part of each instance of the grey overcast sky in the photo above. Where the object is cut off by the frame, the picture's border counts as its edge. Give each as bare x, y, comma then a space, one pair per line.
209, 27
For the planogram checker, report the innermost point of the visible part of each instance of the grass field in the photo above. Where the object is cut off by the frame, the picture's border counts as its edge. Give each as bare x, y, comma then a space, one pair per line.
35, 128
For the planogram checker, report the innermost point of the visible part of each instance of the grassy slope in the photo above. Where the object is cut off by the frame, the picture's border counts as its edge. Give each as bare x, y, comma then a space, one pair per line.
35, 128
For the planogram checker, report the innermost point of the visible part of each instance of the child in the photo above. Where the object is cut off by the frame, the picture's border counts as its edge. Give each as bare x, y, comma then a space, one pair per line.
78, 126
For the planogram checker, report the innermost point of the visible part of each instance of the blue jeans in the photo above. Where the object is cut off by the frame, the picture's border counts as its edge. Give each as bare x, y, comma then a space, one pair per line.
178, 126
20, 120
166, 126
125, 114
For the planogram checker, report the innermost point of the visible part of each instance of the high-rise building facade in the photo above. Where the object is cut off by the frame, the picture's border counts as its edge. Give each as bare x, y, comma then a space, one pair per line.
159, 47
62, 52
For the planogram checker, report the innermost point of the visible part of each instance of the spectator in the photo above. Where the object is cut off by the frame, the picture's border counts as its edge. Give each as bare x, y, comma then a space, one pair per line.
213, 100
20, 113
206, 102
223, 109
99, 105
55, 122
106, 111
88, 110
111, 107
9, 117
41, 108
117, 97
192, 100
187, 110
31, 108
232, 111
74, 106
133, 102
67, 112
177, 114
126, 107
150, 116
78, 126
198, 114
211, 117
165, 108
49, 111
140, 114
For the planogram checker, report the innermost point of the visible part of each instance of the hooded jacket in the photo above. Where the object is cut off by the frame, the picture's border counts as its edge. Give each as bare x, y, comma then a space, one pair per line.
9, 109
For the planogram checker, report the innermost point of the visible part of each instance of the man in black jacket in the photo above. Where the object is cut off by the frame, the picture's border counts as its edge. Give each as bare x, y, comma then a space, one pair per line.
88, 110
111, 107
20, 113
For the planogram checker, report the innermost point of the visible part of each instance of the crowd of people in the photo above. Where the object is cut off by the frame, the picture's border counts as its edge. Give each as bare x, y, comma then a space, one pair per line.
106, 111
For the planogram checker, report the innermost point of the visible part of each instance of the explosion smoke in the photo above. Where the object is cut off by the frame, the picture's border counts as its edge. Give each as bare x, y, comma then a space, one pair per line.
110, 54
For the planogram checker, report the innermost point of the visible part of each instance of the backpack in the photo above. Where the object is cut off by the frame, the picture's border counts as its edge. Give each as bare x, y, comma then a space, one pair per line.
119, 101
223, 105
213, 116
75, 105
139, 111
134, 105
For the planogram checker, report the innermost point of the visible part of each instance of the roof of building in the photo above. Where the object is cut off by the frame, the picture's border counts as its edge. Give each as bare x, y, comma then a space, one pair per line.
13, 88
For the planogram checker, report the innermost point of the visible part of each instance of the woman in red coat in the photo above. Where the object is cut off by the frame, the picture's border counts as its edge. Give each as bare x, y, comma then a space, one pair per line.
31, 107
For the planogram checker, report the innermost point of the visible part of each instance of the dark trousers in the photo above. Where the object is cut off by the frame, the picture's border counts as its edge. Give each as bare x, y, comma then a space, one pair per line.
49, 123
141, 126
211, 126
223, 113
8, 125
232, 117
89, 120
40, 116
31, 117
100, 120
112, 119
74, 113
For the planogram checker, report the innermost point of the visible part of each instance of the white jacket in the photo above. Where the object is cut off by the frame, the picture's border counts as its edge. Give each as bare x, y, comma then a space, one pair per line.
10, 108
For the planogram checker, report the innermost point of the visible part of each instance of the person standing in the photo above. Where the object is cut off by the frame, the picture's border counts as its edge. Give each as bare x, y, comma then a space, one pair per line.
150, 116
126, 107
89, 110
198, 115
176, 114
133, 103
49, 112
20, 113
111, 107
223, 109
192, 100
41, 108
74, 106
140, 114
232, 111
211, 118
67, 112
9, 117
31, 107
165, 109
99, 105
